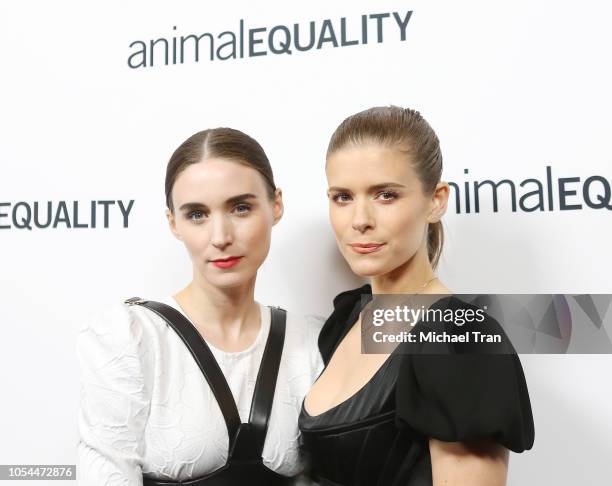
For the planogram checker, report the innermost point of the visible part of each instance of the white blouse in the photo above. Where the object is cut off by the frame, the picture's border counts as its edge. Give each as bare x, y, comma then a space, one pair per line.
145, 406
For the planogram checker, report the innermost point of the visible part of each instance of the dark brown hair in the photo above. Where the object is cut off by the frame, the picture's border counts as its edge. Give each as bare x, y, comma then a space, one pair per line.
226, 143
407, 130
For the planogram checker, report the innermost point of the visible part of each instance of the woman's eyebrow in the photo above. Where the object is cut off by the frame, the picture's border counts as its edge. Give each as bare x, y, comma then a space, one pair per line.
374, 188
385, 185
232, 200
240, 197
193, 205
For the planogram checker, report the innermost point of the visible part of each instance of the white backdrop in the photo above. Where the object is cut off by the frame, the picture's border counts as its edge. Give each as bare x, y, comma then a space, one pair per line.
510, 88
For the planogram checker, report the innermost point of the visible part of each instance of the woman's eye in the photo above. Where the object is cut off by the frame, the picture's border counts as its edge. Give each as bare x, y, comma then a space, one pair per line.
387, 195
196, 215
341, 197
242, 208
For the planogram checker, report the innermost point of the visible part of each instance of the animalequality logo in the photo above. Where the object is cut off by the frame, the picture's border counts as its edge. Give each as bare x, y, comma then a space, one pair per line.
564, 193
65, 214
249, 41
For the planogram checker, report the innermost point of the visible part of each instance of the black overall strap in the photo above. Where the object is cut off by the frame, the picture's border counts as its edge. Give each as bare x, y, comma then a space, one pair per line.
204, 358
263, 396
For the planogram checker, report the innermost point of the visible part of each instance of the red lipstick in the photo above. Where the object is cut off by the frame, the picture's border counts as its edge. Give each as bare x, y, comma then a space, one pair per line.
363, 248
226, 262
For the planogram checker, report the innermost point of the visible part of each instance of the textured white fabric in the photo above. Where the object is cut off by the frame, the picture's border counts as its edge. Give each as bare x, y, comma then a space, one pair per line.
145, 406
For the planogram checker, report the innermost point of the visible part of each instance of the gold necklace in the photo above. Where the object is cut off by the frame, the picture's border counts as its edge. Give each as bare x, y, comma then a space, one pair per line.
426, 284
420, 289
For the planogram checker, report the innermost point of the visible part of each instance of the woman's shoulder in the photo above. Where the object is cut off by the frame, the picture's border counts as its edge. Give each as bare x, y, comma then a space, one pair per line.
302, 330
120, 322
300, 350
346, 307
462, 391
114, 318
114, 348
351, 296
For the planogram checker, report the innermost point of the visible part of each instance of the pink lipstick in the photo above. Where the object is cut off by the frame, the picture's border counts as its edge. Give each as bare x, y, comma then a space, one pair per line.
363, 248
228, 262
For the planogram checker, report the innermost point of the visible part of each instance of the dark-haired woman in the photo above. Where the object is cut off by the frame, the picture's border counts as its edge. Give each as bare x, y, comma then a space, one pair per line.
204, 386
402, 418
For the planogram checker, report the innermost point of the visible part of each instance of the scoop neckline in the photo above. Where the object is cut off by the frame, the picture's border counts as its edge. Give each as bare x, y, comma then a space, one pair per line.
355, 394
263, 326
356, 309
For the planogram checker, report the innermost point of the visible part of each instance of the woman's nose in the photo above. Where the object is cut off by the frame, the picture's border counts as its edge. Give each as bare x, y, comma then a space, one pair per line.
362, 217
222, 233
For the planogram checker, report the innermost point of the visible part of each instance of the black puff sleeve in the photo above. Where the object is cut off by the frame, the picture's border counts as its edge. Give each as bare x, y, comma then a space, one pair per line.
346, 308
459, 396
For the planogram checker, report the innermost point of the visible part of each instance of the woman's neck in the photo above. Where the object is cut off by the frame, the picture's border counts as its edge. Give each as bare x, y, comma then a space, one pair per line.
410, 277
227, 313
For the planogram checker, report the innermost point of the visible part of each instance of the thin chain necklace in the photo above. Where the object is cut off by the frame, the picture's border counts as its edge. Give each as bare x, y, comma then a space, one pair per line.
426, 284
420, 289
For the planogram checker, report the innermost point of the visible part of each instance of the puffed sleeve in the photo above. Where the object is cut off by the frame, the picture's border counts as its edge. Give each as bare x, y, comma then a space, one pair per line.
114, 398
457, 396
346, 309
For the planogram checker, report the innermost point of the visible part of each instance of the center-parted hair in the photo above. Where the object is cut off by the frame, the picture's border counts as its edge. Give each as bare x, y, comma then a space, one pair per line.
406, 130
224, 143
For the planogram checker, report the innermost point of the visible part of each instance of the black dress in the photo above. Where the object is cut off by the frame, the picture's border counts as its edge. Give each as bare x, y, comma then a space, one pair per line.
379, 436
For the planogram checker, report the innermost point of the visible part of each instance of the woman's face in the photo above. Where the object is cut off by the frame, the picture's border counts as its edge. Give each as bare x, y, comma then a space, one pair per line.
224, 216
377, 207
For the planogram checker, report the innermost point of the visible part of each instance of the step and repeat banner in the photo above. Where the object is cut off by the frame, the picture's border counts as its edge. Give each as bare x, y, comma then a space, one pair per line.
95, 97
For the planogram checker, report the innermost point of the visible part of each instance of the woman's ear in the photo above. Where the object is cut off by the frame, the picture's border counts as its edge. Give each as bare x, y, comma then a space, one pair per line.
172, 224
439, 201
278, 207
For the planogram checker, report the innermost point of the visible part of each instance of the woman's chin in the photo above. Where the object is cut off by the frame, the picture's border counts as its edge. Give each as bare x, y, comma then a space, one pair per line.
229, 280
367, 269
